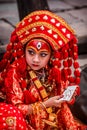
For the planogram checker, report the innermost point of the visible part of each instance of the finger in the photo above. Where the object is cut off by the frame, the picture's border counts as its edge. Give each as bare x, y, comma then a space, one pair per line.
59, 105
58, 97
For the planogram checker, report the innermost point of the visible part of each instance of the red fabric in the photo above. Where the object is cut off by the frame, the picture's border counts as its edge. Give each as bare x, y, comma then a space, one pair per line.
65, 117
11, 118
28, 97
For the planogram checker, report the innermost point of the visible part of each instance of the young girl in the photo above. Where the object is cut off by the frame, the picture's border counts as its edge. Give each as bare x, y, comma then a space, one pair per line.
40, 63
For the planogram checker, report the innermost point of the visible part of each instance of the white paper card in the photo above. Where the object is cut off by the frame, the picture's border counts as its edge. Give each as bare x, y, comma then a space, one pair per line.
68, 93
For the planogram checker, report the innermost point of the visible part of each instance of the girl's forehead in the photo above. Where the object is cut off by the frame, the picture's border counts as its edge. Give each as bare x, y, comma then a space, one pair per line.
38, 44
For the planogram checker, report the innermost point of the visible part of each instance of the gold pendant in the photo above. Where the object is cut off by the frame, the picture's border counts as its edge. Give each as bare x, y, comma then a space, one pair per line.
52, 120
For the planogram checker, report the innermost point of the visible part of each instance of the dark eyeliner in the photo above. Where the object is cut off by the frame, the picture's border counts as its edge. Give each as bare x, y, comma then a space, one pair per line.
31, 52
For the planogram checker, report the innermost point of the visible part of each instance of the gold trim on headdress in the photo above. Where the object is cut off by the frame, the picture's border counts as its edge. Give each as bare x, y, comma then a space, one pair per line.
50, 14
46, 25
55, 45
51, 27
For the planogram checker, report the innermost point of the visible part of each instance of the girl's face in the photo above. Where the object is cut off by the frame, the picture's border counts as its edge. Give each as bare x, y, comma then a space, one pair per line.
37, 54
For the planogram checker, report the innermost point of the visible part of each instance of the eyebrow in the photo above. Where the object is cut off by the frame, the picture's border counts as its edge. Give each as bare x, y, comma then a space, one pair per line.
43, 50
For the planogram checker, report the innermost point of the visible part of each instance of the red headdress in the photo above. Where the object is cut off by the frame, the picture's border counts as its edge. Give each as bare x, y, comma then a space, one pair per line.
60, 36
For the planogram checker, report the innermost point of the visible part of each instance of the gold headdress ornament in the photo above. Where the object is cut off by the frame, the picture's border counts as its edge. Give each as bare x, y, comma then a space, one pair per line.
46, 25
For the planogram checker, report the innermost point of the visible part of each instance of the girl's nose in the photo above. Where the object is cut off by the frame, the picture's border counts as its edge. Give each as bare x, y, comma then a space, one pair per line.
36, 59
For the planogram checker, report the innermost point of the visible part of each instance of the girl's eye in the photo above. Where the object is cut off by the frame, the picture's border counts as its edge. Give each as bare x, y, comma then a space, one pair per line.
31, 52
43, 54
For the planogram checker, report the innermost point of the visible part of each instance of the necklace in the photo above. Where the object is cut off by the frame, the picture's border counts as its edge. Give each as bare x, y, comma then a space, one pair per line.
43, 77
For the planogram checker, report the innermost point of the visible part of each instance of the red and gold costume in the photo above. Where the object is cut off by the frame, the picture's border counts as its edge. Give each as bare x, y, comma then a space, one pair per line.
23, 86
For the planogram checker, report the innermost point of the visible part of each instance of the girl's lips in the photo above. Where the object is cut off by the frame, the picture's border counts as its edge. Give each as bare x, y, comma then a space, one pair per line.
35, 65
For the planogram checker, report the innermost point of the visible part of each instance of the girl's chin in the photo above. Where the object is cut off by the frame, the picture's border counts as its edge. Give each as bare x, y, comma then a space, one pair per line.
35, 68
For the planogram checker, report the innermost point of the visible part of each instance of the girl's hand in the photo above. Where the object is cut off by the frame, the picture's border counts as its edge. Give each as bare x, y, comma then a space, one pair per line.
53, 102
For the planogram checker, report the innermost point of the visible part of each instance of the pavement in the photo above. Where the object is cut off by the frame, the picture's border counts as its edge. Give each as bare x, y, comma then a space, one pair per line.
74, 12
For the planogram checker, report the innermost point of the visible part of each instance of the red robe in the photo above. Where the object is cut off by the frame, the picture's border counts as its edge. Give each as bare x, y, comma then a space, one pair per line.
16, 96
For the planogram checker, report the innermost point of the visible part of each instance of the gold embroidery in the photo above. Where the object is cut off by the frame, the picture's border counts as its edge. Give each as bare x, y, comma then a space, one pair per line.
38, 85
30, 26
55, 45
10, 121
61, 20
32, 74
43, 93
52, 120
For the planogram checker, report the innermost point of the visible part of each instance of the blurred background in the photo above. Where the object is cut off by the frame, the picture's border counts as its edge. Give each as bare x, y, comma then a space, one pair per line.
74, 12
